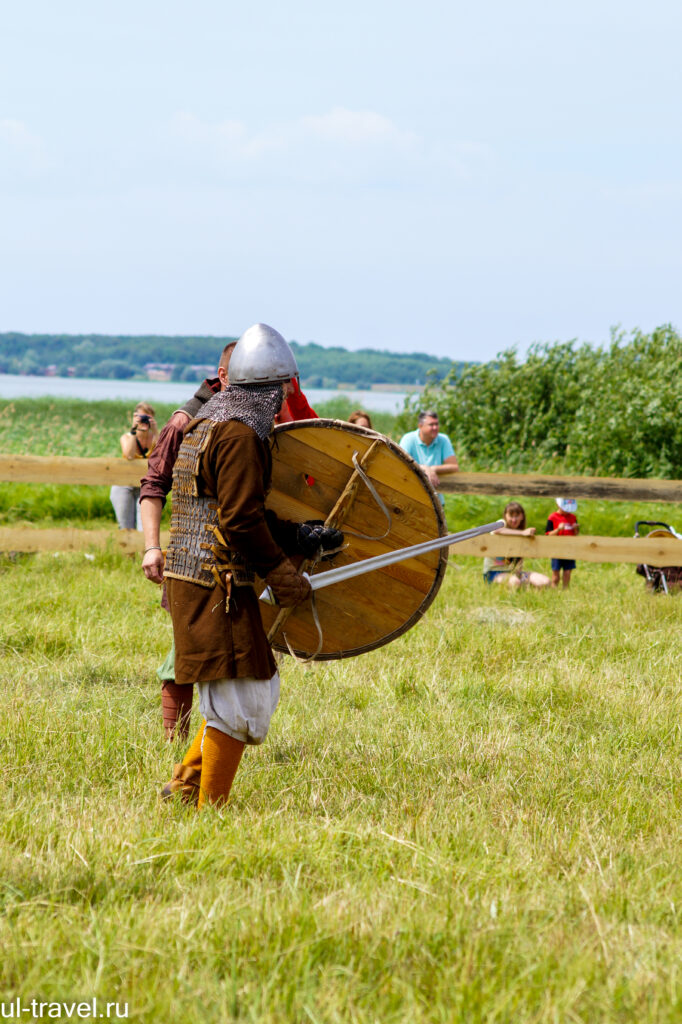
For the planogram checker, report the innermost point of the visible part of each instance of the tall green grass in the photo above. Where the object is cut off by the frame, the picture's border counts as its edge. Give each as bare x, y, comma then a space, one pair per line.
62, 426
65, 426
476, 823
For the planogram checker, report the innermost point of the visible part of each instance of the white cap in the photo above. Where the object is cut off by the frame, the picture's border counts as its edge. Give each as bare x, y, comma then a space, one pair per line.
567, 504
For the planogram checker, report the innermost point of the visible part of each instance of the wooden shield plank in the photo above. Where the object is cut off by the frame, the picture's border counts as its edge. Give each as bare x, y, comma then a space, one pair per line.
315, 477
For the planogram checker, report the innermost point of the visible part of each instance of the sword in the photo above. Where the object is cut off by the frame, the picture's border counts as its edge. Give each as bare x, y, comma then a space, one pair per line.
348, 572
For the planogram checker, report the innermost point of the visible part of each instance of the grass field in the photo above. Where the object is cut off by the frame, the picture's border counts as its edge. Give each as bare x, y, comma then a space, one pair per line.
477, 823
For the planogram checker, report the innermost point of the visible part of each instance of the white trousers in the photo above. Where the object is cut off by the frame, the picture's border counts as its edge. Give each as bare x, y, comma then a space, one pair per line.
241, 708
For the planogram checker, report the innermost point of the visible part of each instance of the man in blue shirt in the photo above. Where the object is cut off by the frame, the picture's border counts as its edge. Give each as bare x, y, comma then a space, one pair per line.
430, 448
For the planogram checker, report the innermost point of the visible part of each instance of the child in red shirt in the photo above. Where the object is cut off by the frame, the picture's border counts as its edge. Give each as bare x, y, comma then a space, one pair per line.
563, 523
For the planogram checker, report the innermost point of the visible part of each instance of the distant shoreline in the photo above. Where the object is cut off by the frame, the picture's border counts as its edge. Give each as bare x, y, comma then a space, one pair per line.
154, 379
170, 359
381, 398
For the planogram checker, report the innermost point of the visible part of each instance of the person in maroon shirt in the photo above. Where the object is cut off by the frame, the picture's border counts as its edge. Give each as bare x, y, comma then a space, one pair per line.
176, 699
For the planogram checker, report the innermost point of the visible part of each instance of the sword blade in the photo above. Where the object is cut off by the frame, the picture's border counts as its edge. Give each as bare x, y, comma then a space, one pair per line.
347, 572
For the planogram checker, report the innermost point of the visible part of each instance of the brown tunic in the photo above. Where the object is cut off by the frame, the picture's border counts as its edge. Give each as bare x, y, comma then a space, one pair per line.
210, 641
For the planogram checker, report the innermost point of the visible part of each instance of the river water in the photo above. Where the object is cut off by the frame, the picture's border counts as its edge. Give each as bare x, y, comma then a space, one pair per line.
91, 389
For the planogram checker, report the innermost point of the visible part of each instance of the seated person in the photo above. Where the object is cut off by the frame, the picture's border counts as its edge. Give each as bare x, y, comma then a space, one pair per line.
510, 570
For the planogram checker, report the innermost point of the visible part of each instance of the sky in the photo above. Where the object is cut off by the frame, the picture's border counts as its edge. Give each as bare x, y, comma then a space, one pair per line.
439, 177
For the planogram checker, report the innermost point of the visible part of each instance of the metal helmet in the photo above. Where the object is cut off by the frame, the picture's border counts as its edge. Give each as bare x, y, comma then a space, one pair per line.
567, 504
262, 356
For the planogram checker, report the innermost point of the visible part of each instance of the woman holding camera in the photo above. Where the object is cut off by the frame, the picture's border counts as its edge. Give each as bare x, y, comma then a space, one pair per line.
136, 443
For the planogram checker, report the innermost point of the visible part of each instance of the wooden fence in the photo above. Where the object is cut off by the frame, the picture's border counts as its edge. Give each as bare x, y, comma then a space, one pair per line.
57, 469
654, 551
532, 485
60, 469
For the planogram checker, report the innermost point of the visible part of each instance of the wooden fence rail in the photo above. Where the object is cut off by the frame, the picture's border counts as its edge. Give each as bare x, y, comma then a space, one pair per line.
538, 485
653, 550
62, 469
56, 469
70, 538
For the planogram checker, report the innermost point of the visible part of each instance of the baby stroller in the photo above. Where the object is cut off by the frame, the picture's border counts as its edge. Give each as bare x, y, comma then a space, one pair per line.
657, 578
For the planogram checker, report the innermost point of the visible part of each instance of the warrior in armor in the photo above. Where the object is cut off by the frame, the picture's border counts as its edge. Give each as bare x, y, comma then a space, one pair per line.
222, 537
176, 700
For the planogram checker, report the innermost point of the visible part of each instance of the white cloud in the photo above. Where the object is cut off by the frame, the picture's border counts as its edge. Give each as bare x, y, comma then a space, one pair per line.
17, 141
23, 156
648, 193
17, 135
356, 128
340, 146
339, 128
228, 137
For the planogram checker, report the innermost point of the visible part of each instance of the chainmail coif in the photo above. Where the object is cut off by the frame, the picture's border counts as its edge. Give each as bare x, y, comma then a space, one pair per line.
253, 404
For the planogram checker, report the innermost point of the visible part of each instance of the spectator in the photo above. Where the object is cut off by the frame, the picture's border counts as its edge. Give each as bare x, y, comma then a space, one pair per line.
510, 570
563, 523
361, 419
431, 449
136, 443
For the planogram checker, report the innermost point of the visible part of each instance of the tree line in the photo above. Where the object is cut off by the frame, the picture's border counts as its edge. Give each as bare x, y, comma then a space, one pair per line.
124, 357
615, 410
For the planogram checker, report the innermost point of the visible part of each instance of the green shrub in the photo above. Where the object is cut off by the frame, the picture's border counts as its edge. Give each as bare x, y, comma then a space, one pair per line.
610, 411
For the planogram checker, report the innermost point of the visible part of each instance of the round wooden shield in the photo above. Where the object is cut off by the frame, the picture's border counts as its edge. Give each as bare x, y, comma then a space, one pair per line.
366, 485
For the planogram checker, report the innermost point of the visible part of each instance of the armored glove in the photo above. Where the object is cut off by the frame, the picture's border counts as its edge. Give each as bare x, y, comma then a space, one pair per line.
313, 536
288, 586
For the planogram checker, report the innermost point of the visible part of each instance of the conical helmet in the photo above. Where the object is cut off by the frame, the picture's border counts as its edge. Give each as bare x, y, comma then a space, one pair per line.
262, 356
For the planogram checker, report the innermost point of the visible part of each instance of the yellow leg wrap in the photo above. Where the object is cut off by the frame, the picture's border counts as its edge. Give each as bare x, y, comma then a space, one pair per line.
221, 757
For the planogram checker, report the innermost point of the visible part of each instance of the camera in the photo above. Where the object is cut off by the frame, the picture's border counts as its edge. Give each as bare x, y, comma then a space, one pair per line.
144, 419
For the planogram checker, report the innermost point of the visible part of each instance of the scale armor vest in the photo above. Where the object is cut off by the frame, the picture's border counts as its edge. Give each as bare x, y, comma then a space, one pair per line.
197, 551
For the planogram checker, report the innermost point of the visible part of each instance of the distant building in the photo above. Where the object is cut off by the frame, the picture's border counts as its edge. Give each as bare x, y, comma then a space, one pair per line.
159, 371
